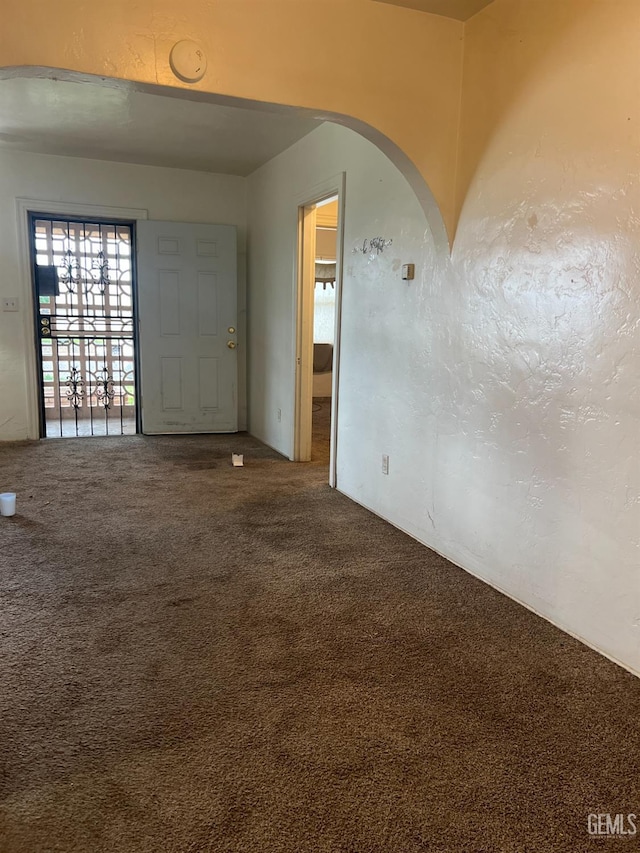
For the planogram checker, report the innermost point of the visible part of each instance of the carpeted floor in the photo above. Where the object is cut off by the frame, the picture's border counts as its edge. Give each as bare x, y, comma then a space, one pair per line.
200, 658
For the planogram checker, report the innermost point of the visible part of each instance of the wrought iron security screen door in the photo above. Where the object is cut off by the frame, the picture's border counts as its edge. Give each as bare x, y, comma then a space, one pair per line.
83, 273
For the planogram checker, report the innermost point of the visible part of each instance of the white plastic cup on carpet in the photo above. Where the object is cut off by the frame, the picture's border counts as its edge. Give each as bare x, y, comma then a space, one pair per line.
238, 460
8, 503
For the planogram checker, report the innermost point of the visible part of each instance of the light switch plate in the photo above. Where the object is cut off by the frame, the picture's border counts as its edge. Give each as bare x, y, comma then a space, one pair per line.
10, 303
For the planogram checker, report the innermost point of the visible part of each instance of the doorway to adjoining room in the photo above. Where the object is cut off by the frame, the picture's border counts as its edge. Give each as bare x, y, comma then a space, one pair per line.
318, 317
324, 324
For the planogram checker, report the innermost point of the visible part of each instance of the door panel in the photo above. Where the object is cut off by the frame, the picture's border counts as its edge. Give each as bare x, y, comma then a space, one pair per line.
187, 284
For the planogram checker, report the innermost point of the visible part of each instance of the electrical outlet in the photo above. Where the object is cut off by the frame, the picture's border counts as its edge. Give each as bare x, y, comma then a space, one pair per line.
279, 414
385, 463
10, 303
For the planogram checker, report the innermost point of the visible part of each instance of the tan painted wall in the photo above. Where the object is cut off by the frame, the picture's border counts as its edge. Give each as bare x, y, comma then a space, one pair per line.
397, 70
326, 243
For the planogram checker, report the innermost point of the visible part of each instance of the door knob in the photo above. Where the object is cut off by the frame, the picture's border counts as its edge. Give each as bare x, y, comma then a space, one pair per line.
231, 344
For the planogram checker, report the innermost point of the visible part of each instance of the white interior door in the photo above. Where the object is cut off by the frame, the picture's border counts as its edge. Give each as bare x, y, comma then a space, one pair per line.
187, 282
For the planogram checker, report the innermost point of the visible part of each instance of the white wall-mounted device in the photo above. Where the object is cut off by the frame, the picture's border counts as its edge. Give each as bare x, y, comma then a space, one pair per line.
188, 61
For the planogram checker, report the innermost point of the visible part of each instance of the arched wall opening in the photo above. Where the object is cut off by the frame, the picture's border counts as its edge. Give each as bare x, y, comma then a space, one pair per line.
387, 325
393, 69
352, 145
391, 149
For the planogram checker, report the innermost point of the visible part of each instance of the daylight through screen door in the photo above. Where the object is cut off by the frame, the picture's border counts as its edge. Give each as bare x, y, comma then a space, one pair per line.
84, 283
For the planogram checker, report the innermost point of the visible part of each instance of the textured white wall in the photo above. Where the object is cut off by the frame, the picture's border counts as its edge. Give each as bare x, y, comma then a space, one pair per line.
548, 253
170, 194
513, 447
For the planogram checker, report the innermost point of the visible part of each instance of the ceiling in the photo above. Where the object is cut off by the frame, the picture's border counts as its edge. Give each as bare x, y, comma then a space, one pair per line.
462, 10
101, 123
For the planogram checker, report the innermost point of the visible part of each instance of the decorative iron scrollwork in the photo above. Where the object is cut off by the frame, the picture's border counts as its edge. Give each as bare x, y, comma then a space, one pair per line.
104, 390
71, 271
100, 265
75, 386
86, 327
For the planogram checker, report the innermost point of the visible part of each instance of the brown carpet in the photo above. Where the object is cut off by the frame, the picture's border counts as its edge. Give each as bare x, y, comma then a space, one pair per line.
200, 658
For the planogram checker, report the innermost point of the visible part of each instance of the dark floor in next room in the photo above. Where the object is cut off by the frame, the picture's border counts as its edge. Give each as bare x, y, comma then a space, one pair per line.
321, 430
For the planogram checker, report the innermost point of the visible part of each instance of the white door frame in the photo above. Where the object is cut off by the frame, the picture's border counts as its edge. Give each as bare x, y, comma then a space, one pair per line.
66, 210
303, 318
